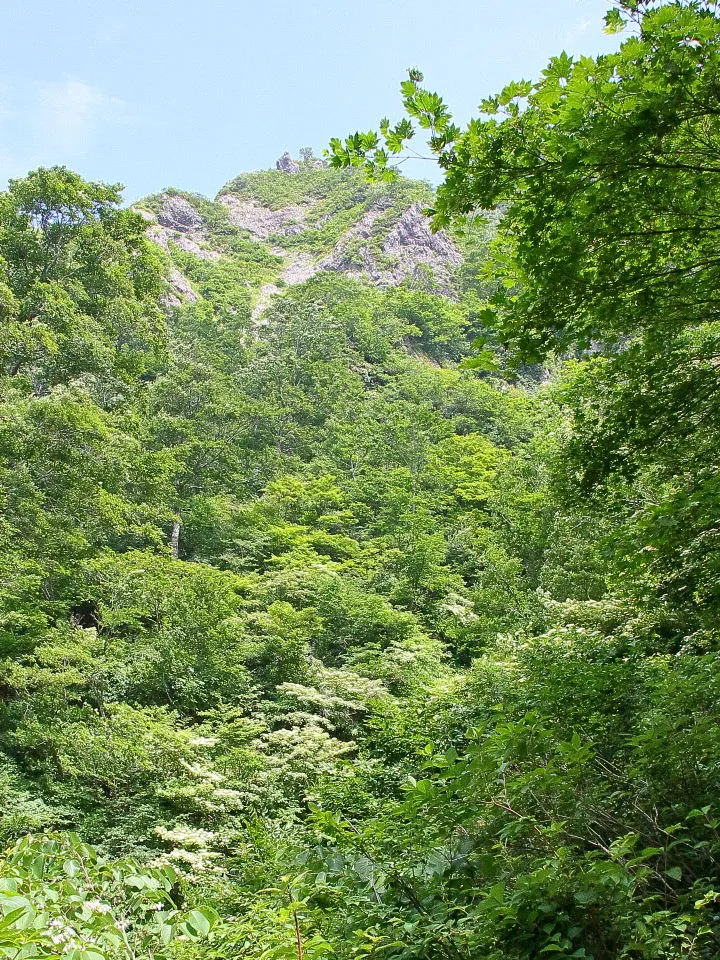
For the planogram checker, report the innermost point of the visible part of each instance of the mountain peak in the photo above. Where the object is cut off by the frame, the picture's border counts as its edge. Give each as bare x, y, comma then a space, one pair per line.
277, 228
308, 161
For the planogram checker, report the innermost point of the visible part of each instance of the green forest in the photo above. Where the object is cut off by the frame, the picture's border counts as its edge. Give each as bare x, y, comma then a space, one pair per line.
360, 540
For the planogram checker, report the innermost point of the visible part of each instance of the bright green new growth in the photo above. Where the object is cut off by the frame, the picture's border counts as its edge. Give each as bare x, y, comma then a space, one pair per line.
58, 898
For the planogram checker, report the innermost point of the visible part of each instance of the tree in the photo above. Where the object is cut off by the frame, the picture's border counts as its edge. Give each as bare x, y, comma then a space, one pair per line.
606, 169
79, 283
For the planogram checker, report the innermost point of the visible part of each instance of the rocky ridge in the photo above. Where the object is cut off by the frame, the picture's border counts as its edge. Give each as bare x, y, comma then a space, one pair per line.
263, 222
380, 239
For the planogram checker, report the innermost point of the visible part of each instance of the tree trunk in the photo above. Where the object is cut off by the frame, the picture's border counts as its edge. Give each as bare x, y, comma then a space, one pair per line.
175, 539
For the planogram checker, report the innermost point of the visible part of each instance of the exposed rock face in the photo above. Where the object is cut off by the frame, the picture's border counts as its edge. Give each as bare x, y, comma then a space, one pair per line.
262, 221
267, 292
348, 257
287, 164
190, 242
300, 268
387, 244
412, 232
178, 214
409, 244
178, 222
181, 290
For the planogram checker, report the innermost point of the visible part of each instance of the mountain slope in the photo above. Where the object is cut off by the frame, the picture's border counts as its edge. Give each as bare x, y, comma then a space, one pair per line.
308, 617
281, 227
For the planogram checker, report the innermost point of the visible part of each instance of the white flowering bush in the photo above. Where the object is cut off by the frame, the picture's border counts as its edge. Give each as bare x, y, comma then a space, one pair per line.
59, 898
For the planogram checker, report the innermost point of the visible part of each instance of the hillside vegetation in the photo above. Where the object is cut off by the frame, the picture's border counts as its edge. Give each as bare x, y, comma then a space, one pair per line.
358, 583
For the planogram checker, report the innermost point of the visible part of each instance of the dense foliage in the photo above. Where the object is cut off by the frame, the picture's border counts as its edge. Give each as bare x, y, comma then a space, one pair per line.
346, 628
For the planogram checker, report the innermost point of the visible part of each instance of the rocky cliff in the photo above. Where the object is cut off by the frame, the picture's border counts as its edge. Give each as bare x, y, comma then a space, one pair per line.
277, 228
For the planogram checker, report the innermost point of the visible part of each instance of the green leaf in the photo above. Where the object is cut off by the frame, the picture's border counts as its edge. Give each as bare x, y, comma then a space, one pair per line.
497, 892
585, 896
614, 21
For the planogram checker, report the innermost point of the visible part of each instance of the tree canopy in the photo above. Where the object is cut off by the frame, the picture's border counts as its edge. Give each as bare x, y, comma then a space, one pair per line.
355, 604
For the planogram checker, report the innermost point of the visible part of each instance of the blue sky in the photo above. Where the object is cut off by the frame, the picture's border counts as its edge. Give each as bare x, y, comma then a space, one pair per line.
188, 93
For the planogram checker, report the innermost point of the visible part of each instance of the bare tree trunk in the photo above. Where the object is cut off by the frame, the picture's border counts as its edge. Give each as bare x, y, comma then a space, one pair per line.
175, 539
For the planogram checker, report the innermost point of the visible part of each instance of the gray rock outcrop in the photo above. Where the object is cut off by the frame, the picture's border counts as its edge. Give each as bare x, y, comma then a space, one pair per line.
386, 245
179, 223
262, 221
409, 246
179, 214
287, 164
181, 290
189, 242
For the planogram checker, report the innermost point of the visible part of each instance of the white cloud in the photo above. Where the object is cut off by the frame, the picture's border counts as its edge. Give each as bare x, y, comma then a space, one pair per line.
56, 122
70, 113
578, 30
